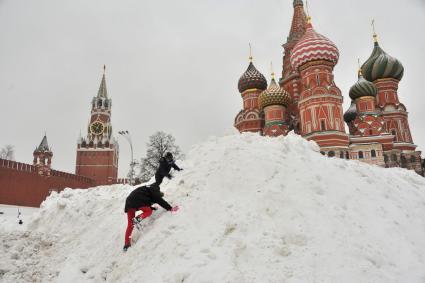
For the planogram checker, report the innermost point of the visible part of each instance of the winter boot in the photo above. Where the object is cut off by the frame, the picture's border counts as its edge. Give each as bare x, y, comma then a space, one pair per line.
137, 220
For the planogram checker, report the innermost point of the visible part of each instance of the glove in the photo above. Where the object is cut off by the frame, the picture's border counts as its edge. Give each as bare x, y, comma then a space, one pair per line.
174, 209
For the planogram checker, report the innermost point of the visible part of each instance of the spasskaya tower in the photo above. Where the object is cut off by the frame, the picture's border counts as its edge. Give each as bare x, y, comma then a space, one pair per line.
97, 153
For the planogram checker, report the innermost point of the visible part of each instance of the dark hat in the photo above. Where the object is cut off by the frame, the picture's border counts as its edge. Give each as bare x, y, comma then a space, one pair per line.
169, 157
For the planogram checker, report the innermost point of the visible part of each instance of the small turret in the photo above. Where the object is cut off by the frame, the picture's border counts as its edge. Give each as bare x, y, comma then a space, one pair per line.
43, 158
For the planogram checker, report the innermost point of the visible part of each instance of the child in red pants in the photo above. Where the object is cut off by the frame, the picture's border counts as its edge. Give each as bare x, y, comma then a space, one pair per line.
141, 199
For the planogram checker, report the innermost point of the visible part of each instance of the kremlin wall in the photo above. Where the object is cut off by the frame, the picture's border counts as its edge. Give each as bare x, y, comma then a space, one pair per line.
307, 100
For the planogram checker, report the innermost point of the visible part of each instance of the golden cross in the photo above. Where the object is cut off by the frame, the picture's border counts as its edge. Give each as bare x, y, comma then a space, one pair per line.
306, 7
360, 73
250, 53
271, 68
375, 36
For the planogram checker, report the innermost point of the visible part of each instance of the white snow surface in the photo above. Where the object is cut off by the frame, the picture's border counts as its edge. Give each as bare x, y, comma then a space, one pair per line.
253, 209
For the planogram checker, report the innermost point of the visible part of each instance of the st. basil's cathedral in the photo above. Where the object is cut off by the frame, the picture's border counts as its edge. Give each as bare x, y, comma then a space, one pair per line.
307, 101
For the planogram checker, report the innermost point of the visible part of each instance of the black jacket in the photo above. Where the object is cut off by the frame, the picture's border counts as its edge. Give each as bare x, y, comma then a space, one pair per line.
165, 167
145, 196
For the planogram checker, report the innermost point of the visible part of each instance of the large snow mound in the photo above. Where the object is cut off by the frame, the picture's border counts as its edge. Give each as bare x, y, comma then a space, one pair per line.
253, 209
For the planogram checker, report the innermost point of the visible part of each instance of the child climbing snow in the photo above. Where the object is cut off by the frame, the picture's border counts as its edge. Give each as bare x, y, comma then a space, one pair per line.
165, 164
141, 199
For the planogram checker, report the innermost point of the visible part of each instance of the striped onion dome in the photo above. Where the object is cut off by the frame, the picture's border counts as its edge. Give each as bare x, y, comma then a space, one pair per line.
312, 47
380, 65
274, 95
351, 113
362, 88
251, 79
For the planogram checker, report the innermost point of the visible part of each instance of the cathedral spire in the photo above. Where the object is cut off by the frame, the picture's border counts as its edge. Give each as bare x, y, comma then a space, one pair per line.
103, 93
299, 21
298, 28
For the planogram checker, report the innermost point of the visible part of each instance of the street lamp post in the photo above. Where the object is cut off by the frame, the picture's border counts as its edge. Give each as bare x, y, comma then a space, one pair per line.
127, 136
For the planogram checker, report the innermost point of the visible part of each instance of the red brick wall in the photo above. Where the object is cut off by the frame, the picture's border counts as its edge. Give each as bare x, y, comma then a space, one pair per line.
21, 185
99, 165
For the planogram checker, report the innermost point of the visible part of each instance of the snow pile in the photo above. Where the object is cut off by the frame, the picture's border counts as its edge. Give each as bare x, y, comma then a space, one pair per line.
254, 209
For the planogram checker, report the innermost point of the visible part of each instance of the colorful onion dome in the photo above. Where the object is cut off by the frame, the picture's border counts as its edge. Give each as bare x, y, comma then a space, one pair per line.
380, 65
274, 95
313, 47
362, 88
351, 113
251, 79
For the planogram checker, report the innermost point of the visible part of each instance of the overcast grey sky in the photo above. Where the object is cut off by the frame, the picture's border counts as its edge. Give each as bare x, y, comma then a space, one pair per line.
174, 65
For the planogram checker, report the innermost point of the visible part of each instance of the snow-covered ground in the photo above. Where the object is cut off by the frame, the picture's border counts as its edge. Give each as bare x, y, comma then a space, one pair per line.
9, 216
253, 209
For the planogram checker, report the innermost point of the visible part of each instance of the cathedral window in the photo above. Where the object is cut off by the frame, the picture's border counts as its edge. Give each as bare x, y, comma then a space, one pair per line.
323, 125
347, 155
341, 154
373, 153
331, 153
393, 132
361, 156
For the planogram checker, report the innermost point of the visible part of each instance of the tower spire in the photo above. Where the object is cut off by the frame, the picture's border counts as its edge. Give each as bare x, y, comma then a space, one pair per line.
103, 93
298, 28
44, 146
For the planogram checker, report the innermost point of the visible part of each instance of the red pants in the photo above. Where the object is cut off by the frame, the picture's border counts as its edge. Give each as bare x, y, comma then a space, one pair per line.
131, 213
